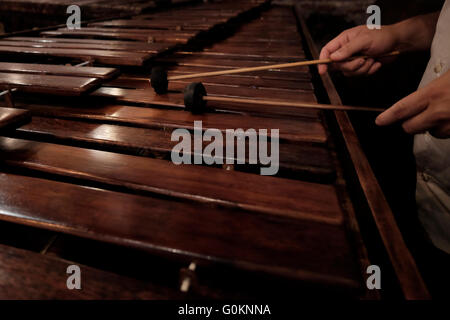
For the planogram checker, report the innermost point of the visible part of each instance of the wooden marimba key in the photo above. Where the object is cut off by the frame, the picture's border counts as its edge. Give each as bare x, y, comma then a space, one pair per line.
93, 173
195, 99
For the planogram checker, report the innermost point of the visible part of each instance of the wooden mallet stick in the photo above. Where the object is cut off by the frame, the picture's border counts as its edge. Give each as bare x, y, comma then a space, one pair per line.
195, 99
160, 81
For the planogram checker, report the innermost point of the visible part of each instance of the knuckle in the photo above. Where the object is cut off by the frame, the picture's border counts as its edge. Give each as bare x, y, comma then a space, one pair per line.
362, 71
347, 67
399, 111
365, 67
439, 114
359, 29
433, 93
343, 50
347, 31
407, 127
324, 52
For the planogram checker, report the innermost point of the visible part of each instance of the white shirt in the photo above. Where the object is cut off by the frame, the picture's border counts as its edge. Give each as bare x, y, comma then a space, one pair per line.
433, 154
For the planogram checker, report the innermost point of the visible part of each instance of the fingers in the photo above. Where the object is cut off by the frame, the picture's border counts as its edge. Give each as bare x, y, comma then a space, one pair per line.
418, 123
336, 43
406, 108
358, 44
331, 46
363, 69
376, 66
343, 47
350, 66
356, 67
324, 54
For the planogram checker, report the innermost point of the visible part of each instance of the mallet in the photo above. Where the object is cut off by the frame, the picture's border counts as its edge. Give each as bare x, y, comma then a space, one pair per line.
195, 99
160, 80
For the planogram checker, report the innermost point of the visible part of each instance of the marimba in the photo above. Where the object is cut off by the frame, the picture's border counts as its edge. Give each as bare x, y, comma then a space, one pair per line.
87, 177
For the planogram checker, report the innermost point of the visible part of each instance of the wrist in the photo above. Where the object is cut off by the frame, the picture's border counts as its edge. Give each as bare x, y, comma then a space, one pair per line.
414, 34
402, 36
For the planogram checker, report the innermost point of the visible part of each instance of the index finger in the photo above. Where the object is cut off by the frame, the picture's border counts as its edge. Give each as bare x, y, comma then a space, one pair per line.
404, 109
327, 50
357, 45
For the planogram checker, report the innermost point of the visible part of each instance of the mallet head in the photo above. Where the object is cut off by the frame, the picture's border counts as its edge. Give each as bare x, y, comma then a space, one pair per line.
158, 80
193, 97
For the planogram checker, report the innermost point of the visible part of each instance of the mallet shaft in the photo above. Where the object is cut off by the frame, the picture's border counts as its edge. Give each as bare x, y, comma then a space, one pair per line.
291, 104
273, 66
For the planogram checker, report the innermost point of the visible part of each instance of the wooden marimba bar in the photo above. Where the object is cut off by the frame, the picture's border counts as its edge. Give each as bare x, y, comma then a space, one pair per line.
19, 15
90, 178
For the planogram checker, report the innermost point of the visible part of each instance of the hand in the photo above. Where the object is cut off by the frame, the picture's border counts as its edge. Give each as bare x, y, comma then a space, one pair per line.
359, 41
427, 109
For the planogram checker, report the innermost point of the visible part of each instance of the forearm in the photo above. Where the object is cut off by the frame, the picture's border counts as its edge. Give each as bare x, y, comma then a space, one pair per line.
415, 34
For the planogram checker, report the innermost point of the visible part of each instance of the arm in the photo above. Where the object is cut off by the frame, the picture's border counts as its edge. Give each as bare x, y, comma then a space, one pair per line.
415, 34
410, 35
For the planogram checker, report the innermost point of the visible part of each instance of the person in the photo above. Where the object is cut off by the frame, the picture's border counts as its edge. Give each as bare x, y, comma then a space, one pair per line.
424, 113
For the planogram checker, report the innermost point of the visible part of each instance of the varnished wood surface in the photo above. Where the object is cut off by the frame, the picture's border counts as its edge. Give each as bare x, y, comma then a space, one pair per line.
175, 97
228, 64
159, 24
187, 16
82, 46
257, 82
180, 57
92, 8
257, 54
10, 118
282, 75
96, 43
170, 227
226, 89
208, 185
244, 55
63, 85
31, 276
290, 130
101, 56
41, 69
98, 167
156, 142
188, 34
190, 14
149, 117
156, 35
